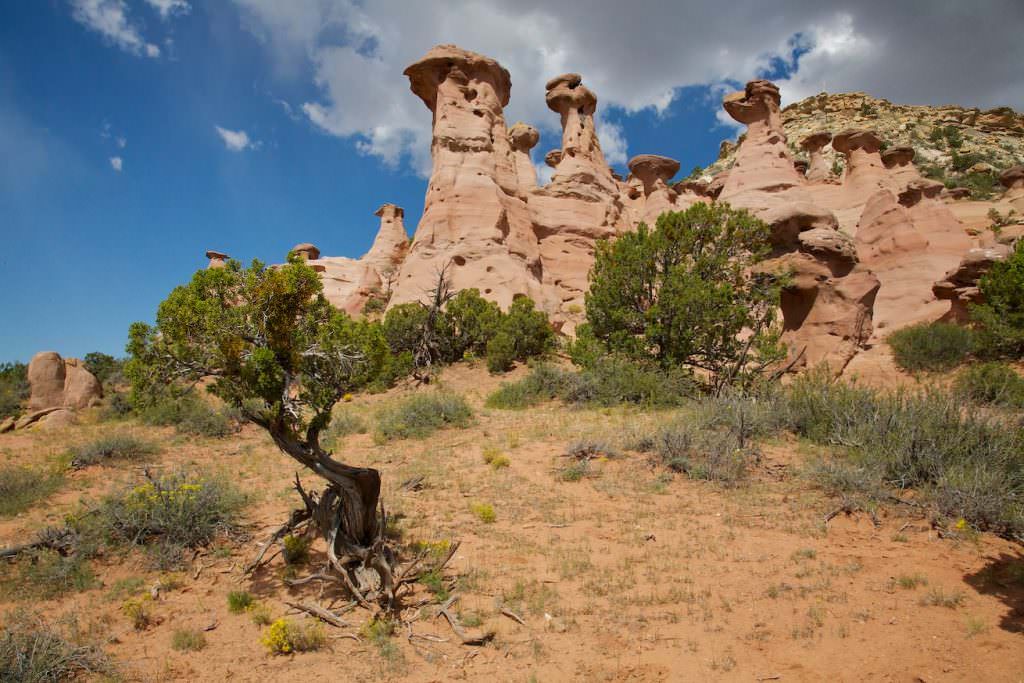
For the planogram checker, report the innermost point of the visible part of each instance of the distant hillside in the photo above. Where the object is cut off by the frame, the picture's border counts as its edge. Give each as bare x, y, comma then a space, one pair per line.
959, 146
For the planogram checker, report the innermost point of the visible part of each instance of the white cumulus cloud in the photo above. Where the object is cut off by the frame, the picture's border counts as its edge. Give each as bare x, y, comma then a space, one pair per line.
116, 163
109, 18
634, 56
236, 140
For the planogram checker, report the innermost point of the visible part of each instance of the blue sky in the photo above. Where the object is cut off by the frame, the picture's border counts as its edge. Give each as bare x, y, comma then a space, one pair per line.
114, 178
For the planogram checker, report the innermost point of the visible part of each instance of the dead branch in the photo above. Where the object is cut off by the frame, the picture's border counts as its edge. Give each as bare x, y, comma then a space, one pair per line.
453, 621
320, 613
513, 616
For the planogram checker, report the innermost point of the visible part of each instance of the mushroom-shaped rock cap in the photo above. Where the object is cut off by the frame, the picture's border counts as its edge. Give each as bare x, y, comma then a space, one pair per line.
816, 140
852, 139
523, 137
748, 106
216, 255
651, 167
553, 158
568, 92
430, 71
393, 209
1012, 176
901, 155
922, 187
307, 250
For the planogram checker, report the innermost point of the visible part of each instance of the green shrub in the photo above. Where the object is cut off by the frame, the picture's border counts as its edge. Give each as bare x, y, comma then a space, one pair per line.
981, 185
168, 514
545, 382
614, 381
993, 382
1000, 320
403, 326
682, 293
112, 447
32, 651
188, 640
501, 353
104, 367
930, 346
705, 444
190, 414
423, 413
971, 467
21, 487
14, 388
469, 323
239, 601
609, 381
296, 549
484, 512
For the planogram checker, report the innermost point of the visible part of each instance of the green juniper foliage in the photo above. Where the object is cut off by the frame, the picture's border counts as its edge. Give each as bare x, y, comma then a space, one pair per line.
682, 293
1000, 319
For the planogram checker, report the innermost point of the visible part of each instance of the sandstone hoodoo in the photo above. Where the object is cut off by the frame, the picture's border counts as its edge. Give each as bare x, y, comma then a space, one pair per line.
306, 251
217, 259
817, 167
58, 387
864, 246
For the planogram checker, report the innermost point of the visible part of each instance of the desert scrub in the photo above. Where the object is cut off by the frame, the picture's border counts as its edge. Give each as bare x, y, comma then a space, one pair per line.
606, 381
484, 512
111, 447
190, 414
422, 414
545, 382
139, 611
343, 423
285, 636
379, 632
495, 458
44, 574
239, 601
993, 383
32, 651
188, 640
971, 466
930, 346
169, 513
22, 487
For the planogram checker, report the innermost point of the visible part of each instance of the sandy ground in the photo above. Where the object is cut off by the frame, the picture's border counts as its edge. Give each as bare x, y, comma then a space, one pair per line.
630, 575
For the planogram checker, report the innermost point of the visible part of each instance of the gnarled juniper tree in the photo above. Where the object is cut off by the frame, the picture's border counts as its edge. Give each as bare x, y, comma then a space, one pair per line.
279, 352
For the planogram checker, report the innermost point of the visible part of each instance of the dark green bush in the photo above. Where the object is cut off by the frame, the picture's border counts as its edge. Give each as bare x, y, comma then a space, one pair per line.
682, 293
1000, 320
14, 388
423, 413
501, 352
981, 185
190, 414
21, 487
403, 326
112, 447
469, 323
930, 346
104, 367
32, 651
994, 383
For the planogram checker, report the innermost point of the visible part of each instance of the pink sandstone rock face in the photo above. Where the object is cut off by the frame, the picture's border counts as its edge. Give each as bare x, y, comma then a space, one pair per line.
56, 382
960, 285
818, 169
349, 283
827, 309
474, 217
